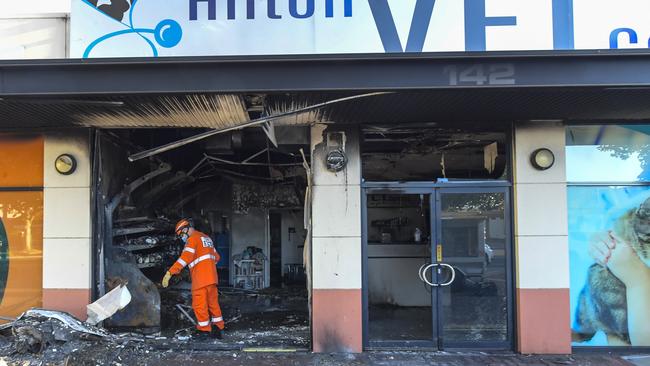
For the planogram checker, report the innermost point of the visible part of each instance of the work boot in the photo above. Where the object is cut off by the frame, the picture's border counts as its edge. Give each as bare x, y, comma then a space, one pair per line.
216, 333
198, 334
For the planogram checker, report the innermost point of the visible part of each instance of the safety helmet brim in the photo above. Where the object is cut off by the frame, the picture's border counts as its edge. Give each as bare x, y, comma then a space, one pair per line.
182, 224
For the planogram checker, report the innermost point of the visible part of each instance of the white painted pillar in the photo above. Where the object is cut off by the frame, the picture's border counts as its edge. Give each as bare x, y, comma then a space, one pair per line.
541, 236
67, 258
336, 241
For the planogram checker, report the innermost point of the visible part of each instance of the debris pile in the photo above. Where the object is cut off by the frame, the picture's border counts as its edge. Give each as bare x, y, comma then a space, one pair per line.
276, 318
254, 318
47, 337
37, 329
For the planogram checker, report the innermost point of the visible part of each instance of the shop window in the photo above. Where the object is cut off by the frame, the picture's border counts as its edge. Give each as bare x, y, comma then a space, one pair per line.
21, 223
21, 251
609, 205
608, 153
430, 154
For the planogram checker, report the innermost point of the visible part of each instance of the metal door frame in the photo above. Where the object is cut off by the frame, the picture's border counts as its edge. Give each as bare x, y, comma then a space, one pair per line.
435, 190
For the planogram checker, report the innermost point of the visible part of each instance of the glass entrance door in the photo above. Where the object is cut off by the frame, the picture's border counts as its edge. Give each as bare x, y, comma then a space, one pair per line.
436, 271
398, 237
473, 242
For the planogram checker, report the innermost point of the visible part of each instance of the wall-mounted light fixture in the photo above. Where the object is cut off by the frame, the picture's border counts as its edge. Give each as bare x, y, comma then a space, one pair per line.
336, 159
542, 159
65, 164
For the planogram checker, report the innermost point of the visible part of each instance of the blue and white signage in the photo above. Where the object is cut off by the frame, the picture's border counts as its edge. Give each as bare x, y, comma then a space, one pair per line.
152, 28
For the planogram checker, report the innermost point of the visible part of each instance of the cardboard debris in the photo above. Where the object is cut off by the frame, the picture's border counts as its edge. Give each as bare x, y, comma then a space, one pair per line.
109, 304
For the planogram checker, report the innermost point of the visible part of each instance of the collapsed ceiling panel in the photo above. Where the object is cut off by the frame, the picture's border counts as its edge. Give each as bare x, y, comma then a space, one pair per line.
190, 110
276, 105
194, 110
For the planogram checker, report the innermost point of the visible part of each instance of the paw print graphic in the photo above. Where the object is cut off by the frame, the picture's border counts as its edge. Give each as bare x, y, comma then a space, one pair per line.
113, 8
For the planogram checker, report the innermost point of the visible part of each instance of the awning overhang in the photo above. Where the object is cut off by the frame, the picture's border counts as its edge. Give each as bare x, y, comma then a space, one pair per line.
215, 93
325, 73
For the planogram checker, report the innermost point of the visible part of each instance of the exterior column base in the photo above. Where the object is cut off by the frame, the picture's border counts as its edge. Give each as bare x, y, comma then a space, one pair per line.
543, 321
73, 301
337, 321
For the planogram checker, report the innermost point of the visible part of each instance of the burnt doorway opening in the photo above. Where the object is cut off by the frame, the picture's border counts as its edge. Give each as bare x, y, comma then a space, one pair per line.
239, 189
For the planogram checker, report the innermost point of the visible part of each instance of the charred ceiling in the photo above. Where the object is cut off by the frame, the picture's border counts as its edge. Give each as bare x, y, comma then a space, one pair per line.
212, 111
425, 152
242, 155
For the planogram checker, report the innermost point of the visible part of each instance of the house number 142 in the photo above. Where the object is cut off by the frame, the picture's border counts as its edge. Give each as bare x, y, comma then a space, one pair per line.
479, 74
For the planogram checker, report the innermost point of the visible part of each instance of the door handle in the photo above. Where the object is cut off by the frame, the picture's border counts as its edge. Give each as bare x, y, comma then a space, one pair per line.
424, 277
422, 273
453, 274
425, 267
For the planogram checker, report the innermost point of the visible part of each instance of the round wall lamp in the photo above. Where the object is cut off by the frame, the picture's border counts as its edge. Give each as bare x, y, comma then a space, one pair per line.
65, 164
542, 159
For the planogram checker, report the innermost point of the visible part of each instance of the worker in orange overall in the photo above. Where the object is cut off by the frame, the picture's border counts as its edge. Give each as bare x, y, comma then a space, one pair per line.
199, 254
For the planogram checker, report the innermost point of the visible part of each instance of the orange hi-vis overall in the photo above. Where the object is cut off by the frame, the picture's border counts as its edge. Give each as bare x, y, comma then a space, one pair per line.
199, 254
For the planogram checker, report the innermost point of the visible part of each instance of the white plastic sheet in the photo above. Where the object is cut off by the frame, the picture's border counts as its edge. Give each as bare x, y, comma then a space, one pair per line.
108, 304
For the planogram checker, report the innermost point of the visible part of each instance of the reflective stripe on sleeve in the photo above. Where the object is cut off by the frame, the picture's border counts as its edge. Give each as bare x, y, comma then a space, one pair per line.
181, 262
188, 249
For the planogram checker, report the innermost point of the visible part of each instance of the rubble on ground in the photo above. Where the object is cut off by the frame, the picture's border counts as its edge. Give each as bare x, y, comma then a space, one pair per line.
47, 337
270, 318
37, 329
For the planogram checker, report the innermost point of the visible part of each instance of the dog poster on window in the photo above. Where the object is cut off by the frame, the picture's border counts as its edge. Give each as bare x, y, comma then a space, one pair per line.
609, 242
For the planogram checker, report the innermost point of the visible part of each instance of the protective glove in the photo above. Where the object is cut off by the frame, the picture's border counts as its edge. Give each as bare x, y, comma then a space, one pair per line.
165, 280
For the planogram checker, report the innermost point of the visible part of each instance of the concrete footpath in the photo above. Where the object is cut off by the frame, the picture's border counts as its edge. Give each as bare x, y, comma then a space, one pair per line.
369, 358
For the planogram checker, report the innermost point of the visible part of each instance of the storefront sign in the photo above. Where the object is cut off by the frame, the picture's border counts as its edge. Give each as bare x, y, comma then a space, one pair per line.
145, 28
